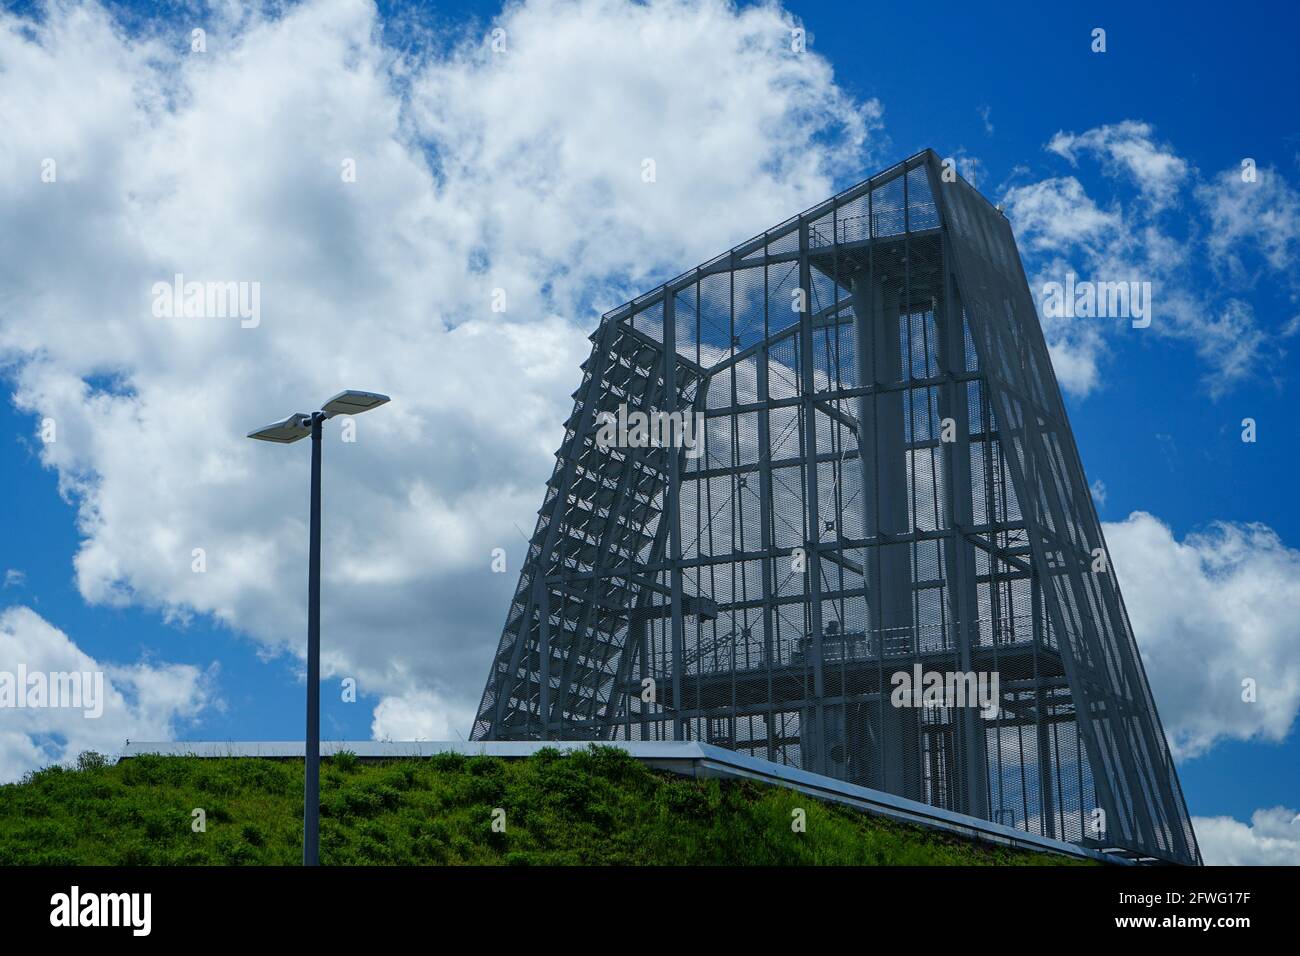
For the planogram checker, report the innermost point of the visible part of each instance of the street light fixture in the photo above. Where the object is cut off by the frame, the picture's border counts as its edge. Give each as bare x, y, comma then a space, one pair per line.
296, 426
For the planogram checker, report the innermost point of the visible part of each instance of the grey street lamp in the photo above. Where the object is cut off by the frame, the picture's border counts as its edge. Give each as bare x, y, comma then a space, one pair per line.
296, 426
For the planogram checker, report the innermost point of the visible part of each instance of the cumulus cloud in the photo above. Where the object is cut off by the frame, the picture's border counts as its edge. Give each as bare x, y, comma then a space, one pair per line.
1217, 608
1056, 214
1061, 230
1194, 266
516, 170
145, 700
1260, 216
419, 715
1272, 838
1129, 147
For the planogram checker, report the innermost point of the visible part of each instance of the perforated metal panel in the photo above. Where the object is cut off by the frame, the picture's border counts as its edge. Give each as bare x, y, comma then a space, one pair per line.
887, 485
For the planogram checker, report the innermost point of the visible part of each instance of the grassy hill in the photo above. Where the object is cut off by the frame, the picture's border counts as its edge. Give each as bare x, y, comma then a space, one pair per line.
597, 806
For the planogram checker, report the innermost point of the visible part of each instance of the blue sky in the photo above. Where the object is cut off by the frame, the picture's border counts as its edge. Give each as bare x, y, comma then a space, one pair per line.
1157, 420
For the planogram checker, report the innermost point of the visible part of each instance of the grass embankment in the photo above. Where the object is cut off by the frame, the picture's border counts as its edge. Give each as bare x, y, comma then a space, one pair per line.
597, 806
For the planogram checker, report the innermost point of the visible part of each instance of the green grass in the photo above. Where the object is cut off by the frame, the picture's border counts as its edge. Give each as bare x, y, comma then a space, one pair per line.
597, 806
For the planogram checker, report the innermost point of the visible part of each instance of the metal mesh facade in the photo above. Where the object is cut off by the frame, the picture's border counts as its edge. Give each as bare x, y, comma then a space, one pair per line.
887, 484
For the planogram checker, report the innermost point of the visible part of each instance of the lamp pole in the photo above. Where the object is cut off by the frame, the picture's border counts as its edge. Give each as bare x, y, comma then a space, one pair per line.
296, 427
311, 781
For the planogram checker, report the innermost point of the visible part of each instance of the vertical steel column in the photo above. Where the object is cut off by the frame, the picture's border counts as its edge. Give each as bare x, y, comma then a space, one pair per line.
959, 554
311, 774
882, 452
1046, 755
643, 636
812, 509
672, 514
770, 650
542, 598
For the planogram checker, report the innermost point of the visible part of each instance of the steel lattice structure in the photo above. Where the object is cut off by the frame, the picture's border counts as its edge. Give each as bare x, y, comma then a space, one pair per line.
887, 479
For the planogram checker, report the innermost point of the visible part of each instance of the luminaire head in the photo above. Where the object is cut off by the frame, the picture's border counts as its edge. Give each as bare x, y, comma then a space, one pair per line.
290, 430
350, 402
353, 402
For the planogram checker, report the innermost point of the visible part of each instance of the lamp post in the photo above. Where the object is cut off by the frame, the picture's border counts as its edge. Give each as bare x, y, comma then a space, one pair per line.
293, 428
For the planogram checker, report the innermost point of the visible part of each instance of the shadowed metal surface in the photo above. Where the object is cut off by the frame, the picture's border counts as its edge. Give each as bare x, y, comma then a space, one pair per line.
887, 480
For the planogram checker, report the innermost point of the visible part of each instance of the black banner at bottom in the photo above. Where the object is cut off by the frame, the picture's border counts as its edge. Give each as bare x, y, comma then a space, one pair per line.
215, 905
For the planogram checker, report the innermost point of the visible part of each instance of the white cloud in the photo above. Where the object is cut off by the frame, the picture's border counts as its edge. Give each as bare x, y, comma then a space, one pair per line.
475, 171
1055, 215
419, 715
1129, 147
1210, 611
1098, 489
1230, 340
142, 701
1272, 838
1261, 216
1077, 352
1062, 229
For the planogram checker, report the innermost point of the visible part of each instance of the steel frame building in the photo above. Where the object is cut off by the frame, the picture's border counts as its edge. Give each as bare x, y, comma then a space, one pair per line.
887, 484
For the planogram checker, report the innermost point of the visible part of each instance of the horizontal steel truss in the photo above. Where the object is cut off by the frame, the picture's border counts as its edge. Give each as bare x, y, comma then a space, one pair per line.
607, 563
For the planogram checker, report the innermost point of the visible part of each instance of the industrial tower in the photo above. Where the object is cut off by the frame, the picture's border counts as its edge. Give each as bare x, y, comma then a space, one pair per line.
885, 484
